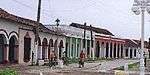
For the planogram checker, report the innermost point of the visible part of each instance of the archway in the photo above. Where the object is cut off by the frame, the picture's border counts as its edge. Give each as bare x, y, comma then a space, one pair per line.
134, 52
88, 48
78, 48
97, 49
130, 53
121, 50
61, 49
107, 49
115, 50
13, 50
44, 47
66, 52
118, 51
2, 47
56, 48
27, 47
50, 47
126, 52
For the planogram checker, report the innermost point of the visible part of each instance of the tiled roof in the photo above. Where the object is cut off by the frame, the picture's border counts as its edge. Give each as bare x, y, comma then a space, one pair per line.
146, 44
14, 18
8, 16
130, 43
97, 30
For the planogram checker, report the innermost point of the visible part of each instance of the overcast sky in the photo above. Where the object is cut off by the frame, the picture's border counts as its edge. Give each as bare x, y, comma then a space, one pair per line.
114, 15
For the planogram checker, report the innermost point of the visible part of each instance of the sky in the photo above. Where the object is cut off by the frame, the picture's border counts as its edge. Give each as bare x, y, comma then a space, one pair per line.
113, 15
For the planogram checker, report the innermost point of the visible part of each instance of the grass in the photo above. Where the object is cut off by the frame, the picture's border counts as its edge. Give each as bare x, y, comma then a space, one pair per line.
130, 66
8, 71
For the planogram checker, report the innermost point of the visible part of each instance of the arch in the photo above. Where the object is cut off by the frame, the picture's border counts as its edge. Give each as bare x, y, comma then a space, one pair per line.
27, 47
107, 49
13, 33
97, 49
2, 47
61, 46
44, 47
13, 49
3, 32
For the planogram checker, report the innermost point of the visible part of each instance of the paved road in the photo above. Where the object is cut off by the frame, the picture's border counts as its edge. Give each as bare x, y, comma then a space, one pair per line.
105, 65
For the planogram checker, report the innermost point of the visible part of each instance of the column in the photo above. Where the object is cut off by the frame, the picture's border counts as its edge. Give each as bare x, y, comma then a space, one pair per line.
76, 48
100, 50
93, 50
46, 52
6, 52
81, 45
86, 48
116, 50
62, 51
17, 53
120, 51
129, 52
90, 50
51, 49
112, 50
133, 49
124, 51
104, 50
39, 52
70, 47
35, 53
109, 50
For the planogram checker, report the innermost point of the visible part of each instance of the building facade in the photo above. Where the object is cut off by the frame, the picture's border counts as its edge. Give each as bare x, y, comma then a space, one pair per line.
17, 40
109, 47
74, 40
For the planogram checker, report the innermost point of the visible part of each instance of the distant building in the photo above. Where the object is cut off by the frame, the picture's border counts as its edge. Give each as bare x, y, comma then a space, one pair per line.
106, 45
74, 40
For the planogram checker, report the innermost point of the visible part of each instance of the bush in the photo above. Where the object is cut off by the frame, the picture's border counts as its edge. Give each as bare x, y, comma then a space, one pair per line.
8, 71
119, 68
130, 66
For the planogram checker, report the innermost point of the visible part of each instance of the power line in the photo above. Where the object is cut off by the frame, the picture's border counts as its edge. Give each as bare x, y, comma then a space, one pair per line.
31, 8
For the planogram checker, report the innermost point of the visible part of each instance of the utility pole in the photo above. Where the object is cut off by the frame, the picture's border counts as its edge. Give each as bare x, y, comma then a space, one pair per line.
140, 6
37, 26
38, 22
84, 41
92, 50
